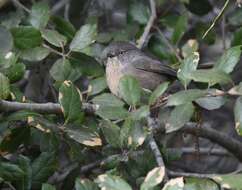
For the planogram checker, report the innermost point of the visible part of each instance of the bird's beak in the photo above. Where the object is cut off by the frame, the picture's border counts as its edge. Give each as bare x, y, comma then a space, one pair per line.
104, 56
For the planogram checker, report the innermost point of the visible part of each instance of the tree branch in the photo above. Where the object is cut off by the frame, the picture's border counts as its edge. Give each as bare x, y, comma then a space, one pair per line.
148, 26
154, 147
231, 144
47, 108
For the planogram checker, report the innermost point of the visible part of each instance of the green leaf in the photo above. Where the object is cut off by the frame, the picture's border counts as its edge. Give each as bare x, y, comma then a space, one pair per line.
4, 87
47, 186
107, 99
200, 184
64, 27
84, 37
15, 72
139, 12
111, 133
199, 8
8, 60
112, 112
85, 184
34, 54
61, 70
97, 85
109, 107
71, 102
238, 115
230, 181
12, 141
141, 113
189, 48
10, 172
189, 64
180, 29
132, 134
130, 90
237, 38
110, 182
175, 184
40, 14
42, 168
229, 59
158, 92
153, 178
180, 115
25, 164
211, 103
6, 40
185, 96
86, 65
54, 38
84, 136
26, 37
211, 76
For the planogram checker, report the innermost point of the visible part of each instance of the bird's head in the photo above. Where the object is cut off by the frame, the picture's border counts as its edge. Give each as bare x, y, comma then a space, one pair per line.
115, 49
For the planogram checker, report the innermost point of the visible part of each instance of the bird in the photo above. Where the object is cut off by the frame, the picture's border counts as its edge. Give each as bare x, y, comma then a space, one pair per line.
124, 58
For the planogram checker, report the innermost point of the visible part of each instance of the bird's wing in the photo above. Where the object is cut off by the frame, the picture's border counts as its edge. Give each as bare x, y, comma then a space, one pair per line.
147, 64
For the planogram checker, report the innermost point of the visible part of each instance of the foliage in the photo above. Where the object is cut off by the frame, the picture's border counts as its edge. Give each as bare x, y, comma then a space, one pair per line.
91, 139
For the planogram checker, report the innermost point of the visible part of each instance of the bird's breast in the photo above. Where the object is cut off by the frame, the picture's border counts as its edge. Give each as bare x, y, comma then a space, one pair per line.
113, 74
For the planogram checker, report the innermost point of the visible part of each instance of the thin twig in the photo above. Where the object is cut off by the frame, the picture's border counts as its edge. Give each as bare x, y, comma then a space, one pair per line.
223, 28
169, 45
216, 19
58, 6
20, 5
148, 26
154, 147
67, 11
53, 50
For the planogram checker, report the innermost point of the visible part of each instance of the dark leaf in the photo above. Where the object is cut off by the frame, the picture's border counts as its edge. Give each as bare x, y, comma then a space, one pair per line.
40, 14
71, 102
130, 90
26, 37
180, 115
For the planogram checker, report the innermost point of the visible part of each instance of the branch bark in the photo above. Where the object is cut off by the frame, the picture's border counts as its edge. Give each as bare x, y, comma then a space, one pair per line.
149, 25
47, 108
231, 144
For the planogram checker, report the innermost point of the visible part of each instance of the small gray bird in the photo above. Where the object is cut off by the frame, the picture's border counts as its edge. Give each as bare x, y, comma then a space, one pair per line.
123, 58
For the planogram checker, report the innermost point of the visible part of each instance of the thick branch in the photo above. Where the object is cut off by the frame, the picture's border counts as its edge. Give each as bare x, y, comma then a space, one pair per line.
47, 108
232, 145
149, 25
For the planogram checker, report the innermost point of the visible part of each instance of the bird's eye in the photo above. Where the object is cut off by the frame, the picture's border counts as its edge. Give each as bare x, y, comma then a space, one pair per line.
121, 52
110, 55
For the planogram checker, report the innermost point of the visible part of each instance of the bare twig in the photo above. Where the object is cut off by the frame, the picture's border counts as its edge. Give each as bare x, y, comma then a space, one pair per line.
53, 50
169, 45
216, 19
67, 11
20, 5
148, 26
223, 28
154, 147
59, 5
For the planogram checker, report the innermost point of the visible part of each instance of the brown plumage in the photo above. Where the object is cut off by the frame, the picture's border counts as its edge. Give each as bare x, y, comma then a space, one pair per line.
123, 58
